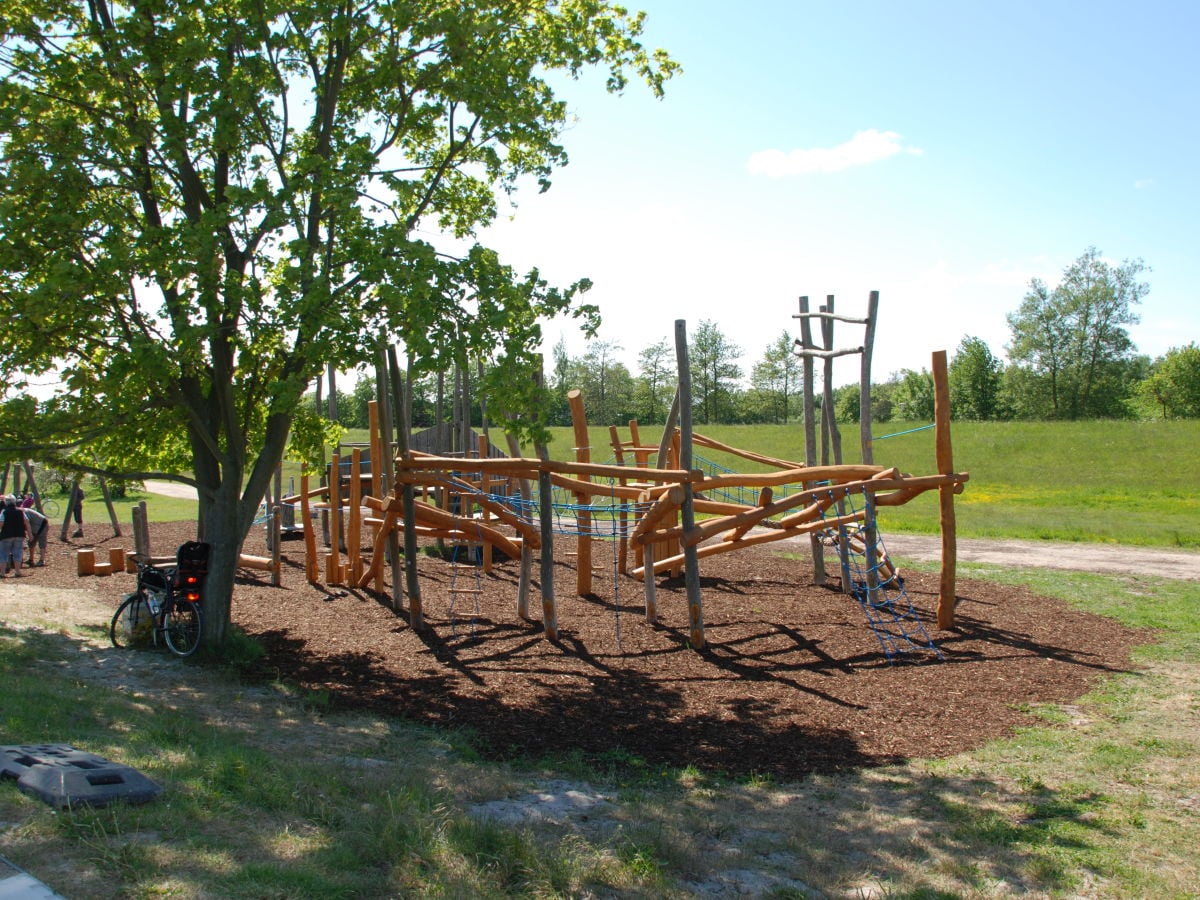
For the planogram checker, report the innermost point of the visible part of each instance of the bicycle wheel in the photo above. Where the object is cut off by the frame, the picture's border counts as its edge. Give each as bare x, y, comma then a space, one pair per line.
50, 509
132, 624
182, 625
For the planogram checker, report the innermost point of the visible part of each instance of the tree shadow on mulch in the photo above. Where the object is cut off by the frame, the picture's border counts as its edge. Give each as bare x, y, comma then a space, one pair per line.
792, 680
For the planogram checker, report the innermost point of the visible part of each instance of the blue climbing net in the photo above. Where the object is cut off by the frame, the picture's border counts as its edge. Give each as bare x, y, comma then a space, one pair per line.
874, 580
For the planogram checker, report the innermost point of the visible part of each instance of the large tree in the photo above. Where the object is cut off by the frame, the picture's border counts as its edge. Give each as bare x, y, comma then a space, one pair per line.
715, 372
1071, 340
655, 384
606, 384
975, 376
776, 378
206, 203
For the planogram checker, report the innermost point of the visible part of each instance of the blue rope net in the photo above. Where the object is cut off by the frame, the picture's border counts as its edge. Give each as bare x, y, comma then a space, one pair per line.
744, 495
874, 581
607, 517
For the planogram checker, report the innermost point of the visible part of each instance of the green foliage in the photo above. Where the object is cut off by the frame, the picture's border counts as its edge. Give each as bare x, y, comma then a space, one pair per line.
655, 385
606, 384
206, 205
974, 376
1075, 357
776, 381
847, 403
1172, 389
912, 395
714, 373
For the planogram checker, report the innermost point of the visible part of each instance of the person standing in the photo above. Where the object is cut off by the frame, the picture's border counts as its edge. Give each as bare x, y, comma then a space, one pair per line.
77, 509
39, 529
14, 531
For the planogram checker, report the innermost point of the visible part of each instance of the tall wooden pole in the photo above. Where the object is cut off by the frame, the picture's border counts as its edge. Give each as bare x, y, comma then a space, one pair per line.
387, 475
810, 429
416, 614
864, 391
691, 561
546, 524
828, 413
583, 518
945, 466
526, 571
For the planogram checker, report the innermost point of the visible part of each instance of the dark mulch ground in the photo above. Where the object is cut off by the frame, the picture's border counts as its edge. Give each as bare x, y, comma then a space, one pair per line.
792, 681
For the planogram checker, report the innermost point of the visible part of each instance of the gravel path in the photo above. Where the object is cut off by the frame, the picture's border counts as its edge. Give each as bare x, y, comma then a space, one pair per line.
1108, 559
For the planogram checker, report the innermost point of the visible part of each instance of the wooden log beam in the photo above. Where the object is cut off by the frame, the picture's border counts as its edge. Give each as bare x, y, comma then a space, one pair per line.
762, 537
945, 464
499, 510
837, 474
764, 500
712, 444
665, 505
528, 468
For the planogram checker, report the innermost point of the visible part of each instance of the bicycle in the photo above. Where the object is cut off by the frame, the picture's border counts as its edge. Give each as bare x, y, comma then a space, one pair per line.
165, 602
50, 508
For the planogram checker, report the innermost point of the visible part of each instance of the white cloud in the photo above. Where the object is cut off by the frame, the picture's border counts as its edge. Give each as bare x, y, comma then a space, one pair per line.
1143, 183
864, 148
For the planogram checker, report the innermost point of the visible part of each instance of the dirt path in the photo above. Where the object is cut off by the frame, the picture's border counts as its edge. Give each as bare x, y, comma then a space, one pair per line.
1108, 559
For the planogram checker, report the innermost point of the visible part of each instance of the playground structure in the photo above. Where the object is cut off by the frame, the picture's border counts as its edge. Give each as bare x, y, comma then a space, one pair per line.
487, 505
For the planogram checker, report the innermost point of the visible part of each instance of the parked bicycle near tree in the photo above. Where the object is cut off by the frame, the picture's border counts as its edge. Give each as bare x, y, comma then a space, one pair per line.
166, 603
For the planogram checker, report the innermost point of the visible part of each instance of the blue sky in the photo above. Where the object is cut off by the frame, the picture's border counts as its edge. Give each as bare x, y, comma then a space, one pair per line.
940, 153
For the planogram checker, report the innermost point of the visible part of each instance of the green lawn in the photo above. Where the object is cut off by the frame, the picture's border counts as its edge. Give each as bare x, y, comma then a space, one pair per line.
1097, 482
1102, 482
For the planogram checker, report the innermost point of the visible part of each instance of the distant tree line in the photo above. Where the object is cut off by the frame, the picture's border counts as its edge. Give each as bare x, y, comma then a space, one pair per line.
1069, 357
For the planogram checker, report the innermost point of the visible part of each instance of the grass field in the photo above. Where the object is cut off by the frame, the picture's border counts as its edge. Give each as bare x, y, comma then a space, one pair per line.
1098, 482
270, 795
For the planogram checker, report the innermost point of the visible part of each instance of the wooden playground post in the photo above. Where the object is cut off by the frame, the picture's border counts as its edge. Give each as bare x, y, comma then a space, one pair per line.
112, 511
333, 562
276, 534
376, 448
525, 576
864, 384
312, 571
583, 518
354, 528
485, 488
141, 531
546, 520
831, 434
691, 560
402, 421
386, 467
31, 485
945, 466
641, 460
810, 428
